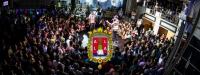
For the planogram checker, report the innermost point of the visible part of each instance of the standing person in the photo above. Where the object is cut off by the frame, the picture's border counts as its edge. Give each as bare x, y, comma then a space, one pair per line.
92, 20
120, 13
139, 23
115, 26
133, 14
102, 23
99, 15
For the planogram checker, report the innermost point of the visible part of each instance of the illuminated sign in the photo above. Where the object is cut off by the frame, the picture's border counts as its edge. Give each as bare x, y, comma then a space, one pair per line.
150, 17
116, 3
89, 2
5, 3
168, 25
101, 0
100, 46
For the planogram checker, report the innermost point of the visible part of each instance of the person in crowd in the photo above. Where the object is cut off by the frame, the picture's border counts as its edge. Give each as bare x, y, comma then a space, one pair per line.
114, 25
92, 20
133, 16
54, 45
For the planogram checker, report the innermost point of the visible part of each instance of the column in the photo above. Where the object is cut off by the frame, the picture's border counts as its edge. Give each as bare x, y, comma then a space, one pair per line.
130, 5
178, 28
157, 22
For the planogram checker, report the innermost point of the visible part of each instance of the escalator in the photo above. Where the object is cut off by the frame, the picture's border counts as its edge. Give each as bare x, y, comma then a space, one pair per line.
184, 58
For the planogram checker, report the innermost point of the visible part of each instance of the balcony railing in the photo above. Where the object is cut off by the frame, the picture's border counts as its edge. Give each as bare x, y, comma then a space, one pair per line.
172, 17
150, 11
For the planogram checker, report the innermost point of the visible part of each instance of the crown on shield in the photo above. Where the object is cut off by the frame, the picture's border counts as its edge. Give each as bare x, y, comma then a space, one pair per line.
99, 30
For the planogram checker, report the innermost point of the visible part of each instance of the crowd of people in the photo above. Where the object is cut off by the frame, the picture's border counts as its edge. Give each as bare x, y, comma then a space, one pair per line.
171, 16
53, 45
169, 10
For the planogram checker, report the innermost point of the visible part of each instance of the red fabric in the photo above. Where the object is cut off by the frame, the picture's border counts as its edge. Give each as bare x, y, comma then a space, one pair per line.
104, 41
105, 45
95, 45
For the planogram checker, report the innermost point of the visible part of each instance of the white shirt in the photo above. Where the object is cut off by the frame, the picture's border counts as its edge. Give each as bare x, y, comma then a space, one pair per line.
68, 43
44, 48
92, 18
160, 60
139, 22
115, 27
85, 41
115, 24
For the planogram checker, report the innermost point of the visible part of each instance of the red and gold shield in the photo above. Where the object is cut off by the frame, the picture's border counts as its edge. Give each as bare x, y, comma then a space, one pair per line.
100, 45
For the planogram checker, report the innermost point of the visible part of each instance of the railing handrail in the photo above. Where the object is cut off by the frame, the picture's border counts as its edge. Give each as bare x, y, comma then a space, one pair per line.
171, 23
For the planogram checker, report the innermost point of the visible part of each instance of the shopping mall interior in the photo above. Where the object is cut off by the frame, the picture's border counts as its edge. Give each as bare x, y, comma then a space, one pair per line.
57, 37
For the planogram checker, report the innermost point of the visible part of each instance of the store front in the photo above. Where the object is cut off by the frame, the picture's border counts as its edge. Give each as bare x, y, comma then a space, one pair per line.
147, 24
164, 27
148, 21
167, 28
